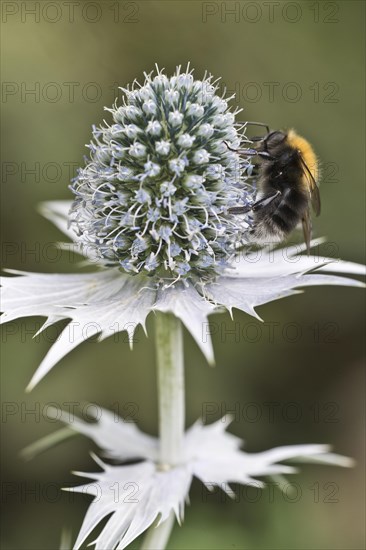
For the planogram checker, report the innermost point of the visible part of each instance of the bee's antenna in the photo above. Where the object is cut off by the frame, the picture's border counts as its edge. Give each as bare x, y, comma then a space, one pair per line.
257, 124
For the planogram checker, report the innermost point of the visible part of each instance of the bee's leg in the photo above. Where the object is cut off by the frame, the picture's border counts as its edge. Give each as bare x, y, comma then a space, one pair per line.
265, 201
261, 203
251, 152
247, 151
240, 209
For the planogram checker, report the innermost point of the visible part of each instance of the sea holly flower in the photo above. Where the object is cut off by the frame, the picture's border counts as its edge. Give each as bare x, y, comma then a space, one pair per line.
152, 211
146, 492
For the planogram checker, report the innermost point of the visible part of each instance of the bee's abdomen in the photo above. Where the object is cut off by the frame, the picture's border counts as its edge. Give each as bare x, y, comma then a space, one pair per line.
287, 215
281, 216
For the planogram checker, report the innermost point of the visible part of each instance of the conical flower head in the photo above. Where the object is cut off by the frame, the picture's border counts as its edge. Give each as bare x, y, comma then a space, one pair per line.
155, 195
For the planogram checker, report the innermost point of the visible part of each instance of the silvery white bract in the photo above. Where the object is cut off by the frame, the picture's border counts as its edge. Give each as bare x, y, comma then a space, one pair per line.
138, 494
107, 301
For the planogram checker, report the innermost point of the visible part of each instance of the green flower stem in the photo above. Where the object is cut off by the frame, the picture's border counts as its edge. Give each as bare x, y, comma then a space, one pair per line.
157, 537
170, 364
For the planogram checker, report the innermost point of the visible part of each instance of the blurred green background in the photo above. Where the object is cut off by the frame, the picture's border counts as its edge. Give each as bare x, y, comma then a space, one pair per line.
297, 64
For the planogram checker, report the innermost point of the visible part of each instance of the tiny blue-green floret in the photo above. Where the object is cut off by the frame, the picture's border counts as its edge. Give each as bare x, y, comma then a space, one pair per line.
155, 195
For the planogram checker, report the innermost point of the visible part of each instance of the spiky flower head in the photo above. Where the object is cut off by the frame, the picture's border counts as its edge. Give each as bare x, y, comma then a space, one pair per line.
155, 195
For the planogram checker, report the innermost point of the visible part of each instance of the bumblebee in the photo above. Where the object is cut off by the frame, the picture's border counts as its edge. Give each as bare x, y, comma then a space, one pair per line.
287, 186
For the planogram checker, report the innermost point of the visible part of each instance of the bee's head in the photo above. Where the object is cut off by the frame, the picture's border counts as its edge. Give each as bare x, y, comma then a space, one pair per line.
272, 144
272, 140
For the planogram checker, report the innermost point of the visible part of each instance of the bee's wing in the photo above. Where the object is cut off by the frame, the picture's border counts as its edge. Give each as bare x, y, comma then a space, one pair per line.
313, 188
315, 197
307, 227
